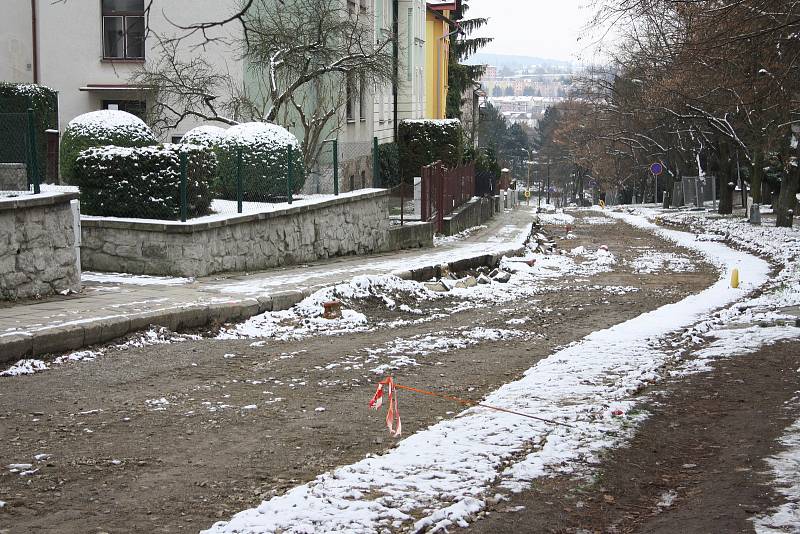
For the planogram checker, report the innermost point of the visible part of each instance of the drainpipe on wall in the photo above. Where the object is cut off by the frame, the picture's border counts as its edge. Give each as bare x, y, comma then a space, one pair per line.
396, 61
35, 42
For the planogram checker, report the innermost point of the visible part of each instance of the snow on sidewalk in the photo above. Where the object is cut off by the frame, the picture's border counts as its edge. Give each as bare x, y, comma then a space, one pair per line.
442, 476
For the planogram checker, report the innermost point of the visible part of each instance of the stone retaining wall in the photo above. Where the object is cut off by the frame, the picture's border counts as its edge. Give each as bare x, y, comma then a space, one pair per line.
354, 223
38, 256
474, 213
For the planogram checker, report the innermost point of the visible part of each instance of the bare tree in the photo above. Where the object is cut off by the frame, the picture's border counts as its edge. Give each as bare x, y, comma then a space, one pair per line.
301, 56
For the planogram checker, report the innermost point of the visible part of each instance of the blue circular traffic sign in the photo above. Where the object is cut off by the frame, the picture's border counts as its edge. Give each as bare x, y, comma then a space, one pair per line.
656, 168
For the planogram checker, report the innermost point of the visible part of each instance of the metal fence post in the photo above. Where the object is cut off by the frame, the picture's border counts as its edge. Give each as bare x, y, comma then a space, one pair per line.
183, 187
289, 172
336, 167
423, 187
440, 198
376, 164
33, 167
239, 192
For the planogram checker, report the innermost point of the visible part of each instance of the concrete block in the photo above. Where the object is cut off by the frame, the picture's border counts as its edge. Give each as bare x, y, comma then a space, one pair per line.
224, 312
286, 299
106, 330
14, 347
57, 339
264, 304
143, 321
189, 317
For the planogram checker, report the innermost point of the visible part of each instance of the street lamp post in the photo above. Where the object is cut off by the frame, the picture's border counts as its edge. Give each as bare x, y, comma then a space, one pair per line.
548, 180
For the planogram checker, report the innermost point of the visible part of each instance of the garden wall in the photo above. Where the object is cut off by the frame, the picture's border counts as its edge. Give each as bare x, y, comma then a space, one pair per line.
474, 213
38, 254
353, 223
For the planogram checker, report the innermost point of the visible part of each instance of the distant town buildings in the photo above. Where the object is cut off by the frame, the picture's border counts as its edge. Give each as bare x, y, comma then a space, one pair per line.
522, 96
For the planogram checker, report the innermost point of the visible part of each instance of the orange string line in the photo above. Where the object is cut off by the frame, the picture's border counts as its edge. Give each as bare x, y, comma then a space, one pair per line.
467, 402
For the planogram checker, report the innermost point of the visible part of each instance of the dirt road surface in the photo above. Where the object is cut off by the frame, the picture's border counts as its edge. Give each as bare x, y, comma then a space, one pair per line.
173, 437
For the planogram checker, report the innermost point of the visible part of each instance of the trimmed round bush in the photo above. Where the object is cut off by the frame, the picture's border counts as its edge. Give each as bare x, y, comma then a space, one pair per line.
264, 162
100, 128
422, 142
205, 135
144, 182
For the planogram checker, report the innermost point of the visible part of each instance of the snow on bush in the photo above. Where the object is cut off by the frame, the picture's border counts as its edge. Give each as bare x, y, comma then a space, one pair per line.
16, 99
264, 150
205, 135
144, 182
100, 128
422, 142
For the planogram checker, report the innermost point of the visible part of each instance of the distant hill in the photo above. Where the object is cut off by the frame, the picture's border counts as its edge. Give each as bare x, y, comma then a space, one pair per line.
515, 62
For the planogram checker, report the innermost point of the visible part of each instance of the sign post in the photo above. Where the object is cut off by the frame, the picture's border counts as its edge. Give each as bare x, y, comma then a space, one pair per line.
656, 169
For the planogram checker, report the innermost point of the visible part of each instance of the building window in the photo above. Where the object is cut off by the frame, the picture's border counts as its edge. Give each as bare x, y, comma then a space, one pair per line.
362, 98
350, 97
123, 29
134, 107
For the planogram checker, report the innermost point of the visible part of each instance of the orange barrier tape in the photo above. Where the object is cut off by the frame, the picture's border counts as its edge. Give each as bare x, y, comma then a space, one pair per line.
393, 413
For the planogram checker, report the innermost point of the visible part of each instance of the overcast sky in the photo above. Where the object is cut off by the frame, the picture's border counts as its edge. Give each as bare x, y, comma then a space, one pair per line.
542, 28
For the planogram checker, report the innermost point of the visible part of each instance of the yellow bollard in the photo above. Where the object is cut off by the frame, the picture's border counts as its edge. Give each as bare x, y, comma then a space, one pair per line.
735, 278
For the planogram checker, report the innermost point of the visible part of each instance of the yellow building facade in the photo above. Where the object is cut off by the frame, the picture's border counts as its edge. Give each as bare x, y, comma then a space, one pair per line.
438, 28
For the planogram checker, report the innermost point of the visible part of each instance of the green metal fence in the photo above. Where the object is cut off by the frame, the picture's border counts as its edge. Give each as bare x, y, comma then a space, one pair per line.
21, 158
344, 166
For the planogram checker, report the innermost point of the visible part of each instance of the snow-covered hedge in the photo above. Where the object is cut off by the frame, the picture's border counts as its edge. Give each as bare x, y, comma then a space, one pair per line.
264, 165
144, 182
205, 135
100, 128
15, 100
422, 142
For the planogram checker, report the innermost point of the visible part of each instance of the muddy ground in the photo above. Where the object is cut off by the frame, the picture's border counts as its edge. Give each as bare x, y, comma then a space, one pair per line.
123, 461
696, 465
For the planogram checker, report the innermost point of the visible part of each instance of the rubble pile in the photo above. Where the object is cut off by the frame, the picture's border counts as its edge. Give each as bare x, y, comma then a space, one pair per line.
540, 241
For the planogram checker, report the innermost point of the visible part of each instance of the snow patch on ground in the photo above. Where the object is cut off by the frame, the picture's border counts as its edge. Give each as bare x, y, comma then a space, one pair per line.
132, 279
559, 218
785, 467
652, 262
154, 336
439, 240
25, 367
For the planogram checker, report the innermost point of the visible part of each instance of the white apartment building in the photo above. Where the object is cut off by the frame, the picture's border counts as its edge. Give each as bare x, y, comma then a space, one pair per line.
409, 94
87, 50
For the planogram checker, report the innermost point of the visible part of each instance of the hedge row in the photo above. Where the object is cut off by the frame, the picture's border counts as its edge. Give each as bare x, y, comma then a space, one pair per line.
144, 182
422, 142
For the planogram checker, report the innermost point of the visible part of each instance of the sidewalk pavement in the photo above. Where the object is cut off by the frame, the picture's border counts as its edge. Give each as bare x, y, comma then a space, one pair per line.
112, 306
